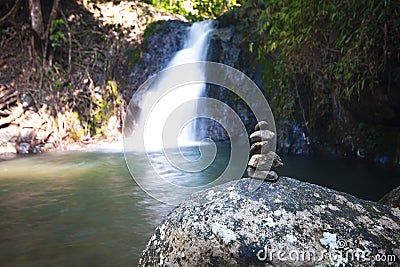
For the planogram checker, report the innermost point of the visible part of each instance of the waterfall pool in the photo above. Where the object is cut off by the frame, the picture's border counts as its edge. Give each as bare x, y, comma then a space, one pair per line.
84, 209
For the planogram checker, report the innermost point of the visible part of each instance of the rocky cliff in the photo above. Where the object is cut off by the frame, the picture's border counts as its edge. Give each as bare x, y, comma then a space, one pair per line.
73, 94
229, 44
338, 131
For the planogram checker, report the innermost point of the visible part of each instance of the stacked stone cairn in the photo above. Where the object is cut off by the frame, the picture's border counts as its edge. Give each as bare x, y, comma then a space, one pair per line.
263, 162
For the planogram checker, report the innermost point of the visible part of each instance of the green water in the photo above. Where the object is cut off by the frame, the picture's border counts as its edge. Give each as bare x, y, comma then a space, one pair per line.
84, 209
363, 179
73, 209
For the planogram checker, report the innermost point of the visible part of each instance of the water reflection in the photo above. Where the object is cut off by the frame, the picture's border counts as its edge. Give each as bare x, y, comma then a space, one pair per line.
73, 209
360, 178
84, 209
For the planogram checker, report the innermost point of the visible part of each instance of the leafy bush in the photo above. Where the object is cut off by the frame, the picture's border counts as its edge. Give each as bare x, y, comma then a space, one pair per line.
348, 43
325, 53
196, 10
57, 36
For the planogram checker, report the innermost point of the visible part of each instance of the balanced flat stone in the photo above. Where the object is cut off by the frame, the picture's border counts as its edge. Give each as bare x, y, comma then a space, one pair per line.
270, 176
261, 135
266, 162
259, 148
262, 125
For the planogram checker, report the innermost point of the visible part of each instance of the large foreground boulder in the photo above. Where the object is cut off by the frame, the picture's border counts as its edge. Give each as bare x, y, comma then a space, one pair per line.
287, 223
392, 199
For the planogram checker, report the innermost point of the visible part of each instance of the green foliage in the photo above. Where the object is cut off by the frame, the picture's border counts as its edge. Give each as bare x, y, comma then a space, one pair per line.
347, 36
58, 84
153, 28
196, 10
106, 105
76, 132
57, 37
132, 56
327, 51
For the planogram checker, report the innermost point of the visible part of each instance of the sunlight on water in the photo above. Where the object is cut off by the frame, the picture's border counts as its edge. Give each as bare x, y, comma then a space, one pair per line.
73, 209
84, 209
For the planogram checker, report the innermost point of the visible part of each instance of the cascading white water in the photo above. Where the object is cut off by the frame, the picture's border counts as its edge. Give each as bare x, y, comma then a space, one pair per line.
158, 104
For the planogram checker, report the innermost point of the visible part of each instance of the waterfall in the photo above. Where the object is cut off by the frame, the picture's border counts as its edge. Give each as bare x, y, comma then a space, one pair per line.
159, 102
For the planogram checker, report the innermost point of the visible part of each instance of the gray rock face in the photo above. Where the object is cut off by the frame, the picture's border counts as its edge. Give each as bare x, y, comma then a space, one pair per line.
392, 199
291, 138
287, 223
161, 40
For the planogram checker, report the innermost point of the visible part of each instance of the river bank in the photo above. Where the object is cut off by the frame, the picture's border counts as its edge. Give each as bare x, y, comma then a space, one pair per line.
79, 208
73, 90
70, 91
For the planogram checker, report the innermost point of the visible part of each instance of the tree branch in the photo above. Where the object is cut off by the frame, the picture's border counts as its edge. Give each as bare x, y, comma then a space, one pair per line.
11, 12
16, 113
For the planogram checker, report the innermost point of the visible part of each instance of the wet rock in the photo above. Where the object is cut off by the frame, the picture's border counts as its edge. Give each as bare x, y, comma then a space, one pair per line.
392, 198
161, 40
292, 138
259, 148
26, 100
226, 47
261, 135
48, 146
23, 148
38, 149
8, 133
265, 162
262, 175
7, 150
287, 223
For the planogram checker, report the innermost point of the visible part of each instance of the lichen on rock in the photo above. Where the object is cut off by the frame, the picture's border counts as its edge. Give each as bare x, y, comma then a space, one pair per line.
287, 223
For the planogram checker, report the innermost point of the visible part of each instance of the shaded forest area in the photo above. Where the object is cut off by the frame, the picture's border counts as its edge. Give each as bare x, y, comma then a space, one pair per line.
64, 70
332, 67
335, 67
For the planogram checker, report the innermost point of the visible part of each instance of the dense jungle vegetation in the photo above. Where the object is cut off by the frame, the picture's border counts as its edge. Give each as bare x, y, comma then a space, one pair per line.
339, 61
332, 65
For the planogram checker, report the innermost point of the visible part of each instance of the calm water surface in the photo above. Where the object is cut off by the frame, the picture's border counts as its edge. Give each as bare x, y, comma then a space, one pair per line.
84, 209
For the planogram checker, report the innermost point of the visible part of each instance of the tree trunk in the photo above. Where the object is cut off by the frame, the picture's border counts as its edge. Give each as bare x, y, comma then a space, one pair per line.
35, 11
